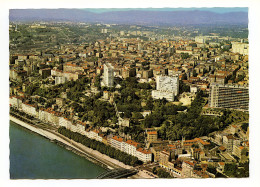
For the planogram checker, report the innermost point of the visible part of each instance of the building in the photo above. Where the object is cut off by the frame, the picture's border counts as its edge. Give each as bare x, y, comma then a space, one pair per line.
122, 33
168, 83
158, 94
241, 48
108, 79
106, 95
187, 169
60, 102
166, 87
200, 39
228, 96
45, 72
130, 147
228, 143
104, 31
164, 158
156, 153
60, 80
117, 142
29, 109
186, 98
193, 89
16, 102
152, 136
234, 129
144, 155
93, 134
238, 151
125, 122
64, 122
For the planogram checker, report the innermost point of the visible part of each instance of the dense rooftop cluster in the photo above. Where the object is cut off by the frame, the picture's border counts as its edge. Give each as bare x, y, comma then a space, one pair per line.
156, 98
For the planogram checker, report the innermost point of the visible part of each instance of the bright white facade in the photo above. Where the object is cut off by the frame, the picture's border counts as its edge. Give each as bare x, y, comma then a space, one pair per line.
108, 79
60, 80
166, 87
42, 115
200, 39
81, 128
130, 147
241, 48
65, 123
168, 83
157, 94
144, 155
29, 109
117, 142
13, 102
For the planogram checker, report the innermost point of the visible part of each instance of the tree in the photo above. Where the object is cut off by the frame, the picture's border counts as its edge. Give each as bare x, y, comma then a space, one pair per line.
127, 114
137, 115
163, 174
183, 87
230, 169
154, 170
185, 55
101, 147
149, 103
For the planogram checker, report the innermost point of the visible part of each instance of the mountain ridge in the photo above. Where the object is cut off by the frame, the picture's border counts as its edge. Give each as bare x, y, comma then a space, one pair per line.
130, 16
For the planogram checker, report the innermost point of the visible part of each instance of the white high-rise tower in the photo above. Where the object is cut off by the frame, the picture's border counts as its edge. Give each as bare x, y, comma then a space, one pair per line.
108, 75
166, 87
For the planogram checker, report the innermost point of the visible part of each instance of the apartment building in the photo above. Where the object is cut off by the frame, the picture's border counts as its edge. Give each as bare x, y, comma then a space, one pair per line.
228, 96
108, 79
166, 87
144, 155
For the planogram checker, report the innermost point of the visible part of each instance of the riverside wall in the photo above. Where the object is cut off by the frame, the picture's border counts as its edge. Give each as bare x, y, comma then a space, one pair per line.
76, 147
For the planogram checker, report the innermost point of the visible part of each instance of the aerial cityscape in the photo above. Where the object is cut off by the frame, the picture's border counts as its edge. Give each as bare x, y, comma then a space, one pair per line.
129, 93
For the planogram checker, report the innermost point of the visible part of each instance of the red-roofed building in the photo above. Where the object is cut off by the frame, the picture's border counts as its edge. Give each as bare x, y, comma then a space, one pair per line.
94, 134
144, 155
187, 169
164, 158
239, 151
233, 129
199, 174
152, 136
228, 142
221, 166
117, 142
130, 147
29, 109
15, 101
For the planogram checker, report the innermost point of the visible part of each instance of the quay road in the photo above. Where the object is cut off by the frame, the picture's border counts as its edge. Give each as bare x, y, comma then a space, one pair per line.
86, 152
137, 172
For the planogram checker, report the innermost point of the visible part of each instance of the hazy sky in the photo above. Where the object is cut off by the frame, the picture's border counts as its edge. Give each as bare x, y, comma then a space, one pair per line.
217, 10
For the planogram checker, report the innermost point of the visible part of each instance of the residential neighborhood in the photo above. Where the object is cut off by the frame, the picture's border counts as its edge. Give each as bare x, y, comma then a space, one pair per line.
177, 103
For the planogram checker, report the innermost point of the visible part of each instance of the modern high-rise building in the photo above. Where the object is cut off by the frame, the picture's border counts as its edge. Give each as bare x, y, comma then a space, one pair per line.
229, 96
168, 83
166, 87
108, 79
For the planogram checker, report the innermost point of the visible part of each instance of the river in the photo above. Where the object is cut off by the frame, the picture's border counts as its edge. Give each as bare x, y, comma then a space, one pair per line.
35, 157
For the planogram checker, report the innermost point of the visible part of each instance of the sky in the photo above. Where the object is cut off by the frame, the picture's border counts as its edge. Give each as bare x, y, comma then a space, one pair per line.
216, 10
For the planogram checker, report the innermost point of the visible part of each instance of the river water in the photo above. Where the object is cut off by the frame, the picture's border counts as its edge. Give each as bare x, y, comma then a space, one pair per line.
35, 157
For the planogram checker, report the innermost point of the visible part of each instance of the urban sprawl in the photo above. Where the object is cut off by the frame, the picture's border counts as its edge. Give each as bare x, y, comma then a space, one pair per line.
178, 104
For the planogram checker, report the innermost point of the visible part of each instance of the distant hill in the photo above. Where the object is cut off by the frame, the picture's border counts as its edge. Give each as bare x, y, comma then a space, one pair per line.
193, 17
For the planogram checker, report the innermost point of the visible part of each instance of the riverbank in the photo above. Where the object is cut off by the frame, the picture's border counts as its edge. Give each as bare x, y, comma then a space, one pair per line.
90, 154
35, 157
86, 152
